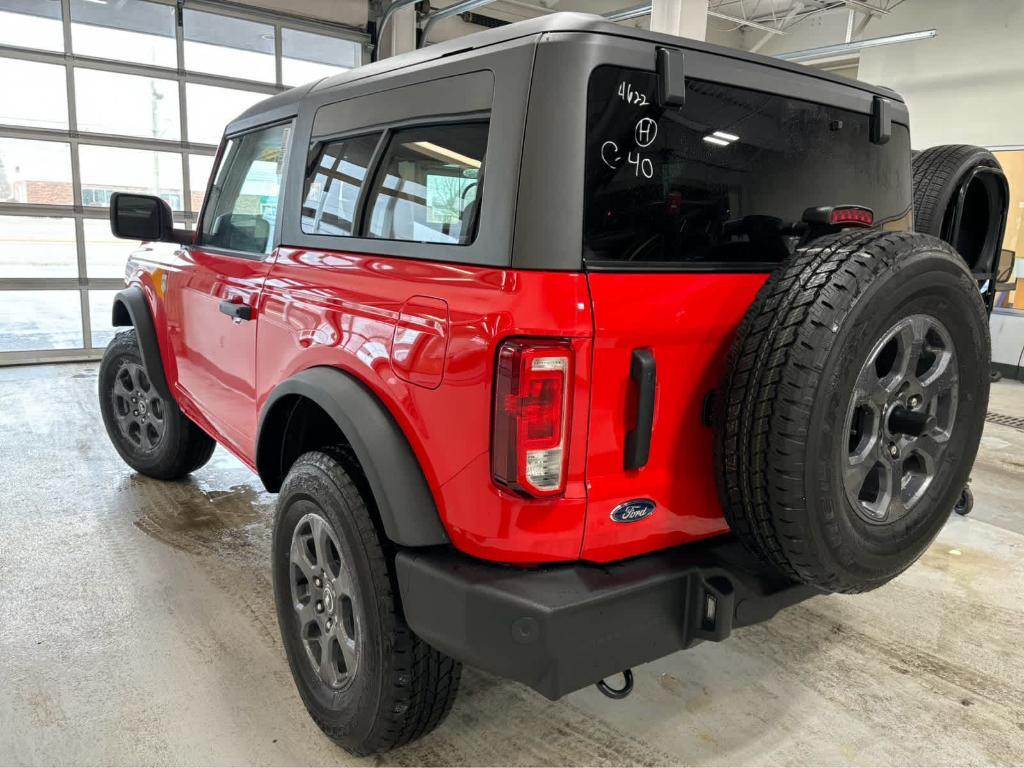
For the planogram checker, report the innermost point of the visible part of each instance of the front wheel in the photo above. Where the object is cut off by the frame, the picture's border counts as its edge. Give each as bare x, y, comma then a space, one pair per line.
149, 431
365, 678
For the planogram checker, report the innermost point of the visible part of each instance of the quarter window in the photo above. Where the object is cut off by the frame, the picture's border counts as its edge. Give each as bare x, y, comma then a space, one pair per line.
428, 188
242, 209
332, 189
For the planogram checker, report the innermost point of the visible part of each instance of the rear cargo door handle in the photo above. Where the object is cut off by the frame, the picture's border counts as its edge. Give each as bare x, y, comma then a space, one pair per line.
236, 310
638, 440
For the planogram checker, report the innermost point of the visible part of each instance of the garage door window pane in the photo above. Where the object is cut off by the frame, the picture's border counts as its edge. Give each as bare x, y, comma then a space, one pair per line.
32, 246
106, 170
35, 172
100, 317
306, 56
199, 169
40, 320
31, 24
144, 106
211, 108
128, 30
105, 255
33, 94
226, 46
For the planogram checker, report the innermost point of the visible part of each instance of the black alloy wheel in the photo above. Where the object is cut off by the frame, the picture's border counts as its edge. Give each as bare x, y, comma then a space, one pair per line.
900, 418
324, 600
138, 408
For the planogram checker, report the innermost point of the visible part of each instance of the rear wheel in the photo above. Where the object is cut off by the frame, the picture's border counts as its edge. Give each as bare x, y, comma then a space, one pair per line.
149, 431
365, 678
852, 407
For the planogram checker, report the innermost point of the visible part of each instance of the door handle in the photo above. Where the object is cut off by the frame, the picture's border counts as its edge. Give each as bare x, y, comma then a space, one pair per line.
638, 441
236, 310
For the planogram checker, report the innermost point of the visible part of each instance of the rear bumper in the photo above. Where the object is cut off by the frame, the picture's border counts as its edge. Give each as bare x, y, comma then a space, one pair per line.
561, 628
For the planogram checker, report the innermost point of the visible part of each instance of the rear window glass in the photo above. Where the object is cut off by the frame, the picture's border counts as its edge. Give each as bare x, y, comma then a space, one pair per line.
720, 179
429, 185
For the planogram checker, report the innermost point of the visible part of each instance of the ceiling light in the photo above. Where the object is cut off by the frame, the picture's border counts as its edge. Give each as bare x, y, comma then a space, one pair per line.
726, 136
717, 141
443, 153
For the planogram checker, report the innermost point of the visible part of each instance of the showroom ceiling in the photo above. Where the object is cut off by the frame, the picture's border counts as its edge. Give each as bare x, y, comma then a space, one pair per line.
758, 15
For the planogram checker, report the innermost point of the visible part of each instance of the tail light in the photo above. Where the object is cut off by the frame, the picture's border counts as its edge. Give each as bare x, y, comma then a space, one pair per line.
532, 402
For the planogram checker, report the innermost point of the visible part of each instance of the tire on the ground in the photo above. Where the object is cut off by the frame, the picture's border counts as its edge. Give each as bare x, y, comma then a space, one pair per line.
937, 174
183, 447
781, 433
402, 688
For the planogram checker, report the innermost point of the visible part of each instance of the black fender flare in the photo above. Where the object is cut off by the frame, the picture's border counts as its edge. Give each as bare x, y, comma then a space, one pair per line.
403, 497
131, 309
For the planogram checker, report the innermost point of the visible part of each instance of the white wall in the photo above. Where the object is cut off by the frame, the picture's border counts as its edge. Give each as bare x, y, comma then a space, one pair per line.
966, 85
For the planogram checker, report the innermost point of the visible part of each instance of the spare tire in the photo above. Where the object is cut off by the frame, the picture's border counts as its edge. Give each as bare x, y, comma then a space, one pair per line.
852, 406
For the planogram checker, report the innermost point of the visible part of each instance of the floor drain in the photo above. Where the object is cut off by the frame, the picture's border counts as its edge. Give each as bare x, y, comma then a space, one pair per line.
1006, 421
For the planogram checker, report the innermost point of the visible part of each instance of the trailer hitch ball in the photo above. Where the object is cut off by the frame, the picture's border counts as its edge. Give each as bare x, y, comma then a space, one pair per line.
618, 693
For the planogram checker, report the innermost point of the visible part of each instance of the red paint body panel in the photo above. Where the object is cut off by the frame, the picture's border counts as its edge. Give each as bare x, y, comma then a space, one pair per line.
343, 310
688, 321
423, 336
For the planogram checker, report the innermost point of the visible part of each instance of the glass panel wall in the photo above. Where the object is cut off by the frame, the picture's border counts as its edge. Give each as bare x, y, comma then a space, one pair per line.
133, 104
222, 45
31, 24
306, 56
138, 31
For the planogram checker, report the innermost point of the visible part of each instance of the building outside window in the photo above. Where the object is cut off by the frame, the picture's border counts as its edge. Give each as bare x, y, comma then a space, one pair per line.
131, 104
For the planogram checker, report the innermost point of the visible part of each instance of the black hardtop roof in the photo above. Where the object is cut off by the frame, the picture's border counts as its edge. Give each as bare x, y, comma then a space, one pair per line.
525, 31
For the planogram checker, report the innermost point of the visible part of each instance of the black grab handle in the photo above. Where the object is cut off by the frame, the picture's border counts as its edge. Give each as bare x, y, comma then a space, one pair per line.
236, 310
638, 441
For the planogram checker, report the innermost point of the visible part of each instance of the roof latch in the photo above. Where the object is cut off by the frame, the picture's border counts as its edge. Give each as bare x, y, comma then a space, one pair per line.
881, 120
672, 89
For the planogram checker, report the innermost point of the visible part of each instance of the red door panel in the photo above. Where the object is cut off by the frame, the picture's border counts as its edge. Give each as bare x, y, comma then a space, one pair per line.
688, 321
216, 353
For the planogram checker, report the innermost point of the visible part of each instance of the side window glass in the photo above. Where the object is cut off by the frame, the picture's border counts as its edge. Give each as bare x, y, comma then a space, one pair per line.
429, 185
332, 187
242, 208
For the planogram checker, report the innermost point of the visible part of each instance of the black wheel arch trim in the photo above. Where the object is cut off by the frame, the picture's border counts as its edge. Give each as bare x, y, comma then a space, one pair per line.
130, 308
403, 497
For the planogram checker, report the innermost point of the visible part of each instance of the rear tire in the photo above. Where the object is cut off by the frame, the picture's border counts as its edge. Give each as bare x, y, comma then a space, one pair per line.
850, 331
149, 431
379, 686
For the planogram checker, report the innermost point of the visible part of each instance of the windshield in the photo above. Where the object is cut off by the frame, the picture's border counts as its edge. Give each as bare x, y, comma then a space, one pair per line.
718, 180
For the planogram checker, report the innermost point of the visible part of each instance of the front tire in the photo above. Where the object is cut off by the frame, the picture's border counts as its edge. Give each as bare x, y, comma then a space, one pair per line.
149, 431
367, 681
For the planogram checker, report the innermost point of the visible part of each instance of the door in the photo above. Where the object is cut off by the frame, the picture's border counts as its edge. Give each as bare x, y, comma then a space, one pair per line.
687, 211
224, 282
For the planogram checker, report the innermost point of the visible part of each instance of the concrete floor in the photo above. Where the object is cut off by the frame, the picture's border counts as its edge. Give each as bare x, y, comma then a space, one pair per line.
137, 627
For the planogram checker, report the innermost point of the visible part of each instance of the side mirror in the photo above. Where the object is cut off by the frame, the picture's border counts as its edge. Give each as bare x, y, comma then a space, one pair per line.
141, 217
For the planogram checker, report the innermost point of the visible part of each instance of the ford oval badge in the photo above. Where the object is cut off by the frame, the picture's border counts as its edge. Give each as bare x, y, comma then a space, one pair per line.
633, 511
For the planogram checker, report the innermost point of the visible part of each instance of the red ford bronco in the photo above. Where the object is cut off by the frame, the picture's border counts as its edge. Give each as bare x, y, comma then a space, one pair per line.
565, 346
